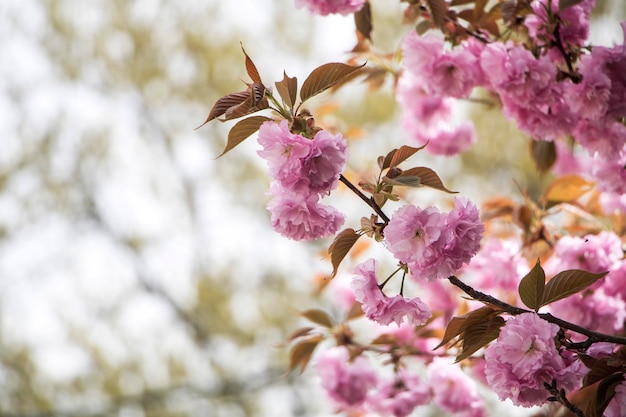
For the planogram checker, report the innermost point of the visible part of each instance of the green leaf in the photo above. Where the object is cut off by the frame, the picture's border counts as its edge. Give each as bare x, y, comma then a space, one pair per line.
427, 176
564, 4
287, 89
531, 287
402, 154
341, 246
324, 77
438, 11
242, 130
253, 73
408, 180
568, 282
318, 316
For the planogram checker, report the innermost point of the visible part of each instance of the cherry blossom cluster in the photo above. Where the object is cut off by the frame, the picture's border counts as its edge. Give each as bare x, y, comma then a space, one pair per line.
356, 387
531, 334
304, 169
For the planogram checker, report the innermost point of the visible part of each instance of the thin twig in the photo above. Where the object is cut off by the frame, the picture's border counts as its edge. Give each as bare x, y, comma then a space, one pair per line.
363, 197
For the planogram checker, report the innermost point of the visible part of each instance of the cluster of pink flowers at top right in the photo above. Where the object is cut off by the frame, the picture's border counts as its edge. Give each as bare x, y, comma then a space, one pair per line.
592, 111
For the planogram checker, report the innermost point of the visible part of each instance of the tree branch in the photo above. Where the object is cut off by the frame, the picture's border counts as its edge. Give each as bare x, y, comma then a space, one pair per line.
363, 197
592, 336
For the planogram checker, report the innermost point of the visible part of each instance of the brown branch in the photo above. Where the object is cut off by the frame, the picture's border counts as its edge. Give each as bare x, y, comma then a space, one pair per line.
363, 197
592, 337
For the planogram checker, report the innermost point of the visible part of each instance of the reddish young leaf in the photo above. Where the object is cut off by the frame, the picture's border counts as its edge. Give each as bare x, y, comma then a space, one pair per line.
438, 11
253, 73
302, 351
428, 177
604, 394
324, 77
458, 325
543, 153
363, 21
479, 335
355, 312
460, 2
567, 283
531, 287
287, 89
402, 154
242, 130
304, 331
227, 102
341, 246
318, 316
255, 102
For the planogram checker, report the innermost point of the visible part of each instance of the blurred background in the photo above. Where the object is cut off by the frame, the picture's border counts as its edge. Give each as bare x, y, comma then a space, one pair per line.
139, 275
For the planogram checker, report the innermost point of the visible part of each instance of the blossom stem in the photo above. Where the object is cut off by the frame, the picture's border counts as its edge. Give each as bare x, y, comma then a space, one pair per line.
592, 336
363, 197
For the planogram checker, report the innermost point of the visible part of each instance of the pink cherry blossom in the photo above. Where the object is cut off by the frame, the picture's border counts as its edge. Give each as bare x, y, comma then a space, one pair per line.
398, 396
498, 266
327, 159
381, 308
326, 7
346, 382
301, 217
432, 244
296, 162
414, 237
443, 138
574, 22
524, 358
451, 73
453, 390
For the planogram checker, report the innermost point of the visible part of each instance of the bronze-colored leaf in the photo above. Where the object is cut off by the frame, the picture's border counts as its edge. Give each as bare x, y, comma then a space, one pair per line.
564, 4
467, 15
318, 316
479, 335
355, 312
325, 77
567, 283
532, 286
385, 162
255, 102
288, 89
438, 10
604, 394
460, 2
385, 339
598, 370
363, 21
223, 104
341, 246
402, 154
428, 177
253, 73
543, 153
302, 351
458, 325
567, 189
304, 331
453, 329
242, 130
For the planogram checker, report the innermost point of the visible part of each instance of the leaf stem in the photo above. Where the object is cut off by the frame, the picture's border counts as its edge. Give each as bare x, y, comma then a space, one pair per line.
363, 197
